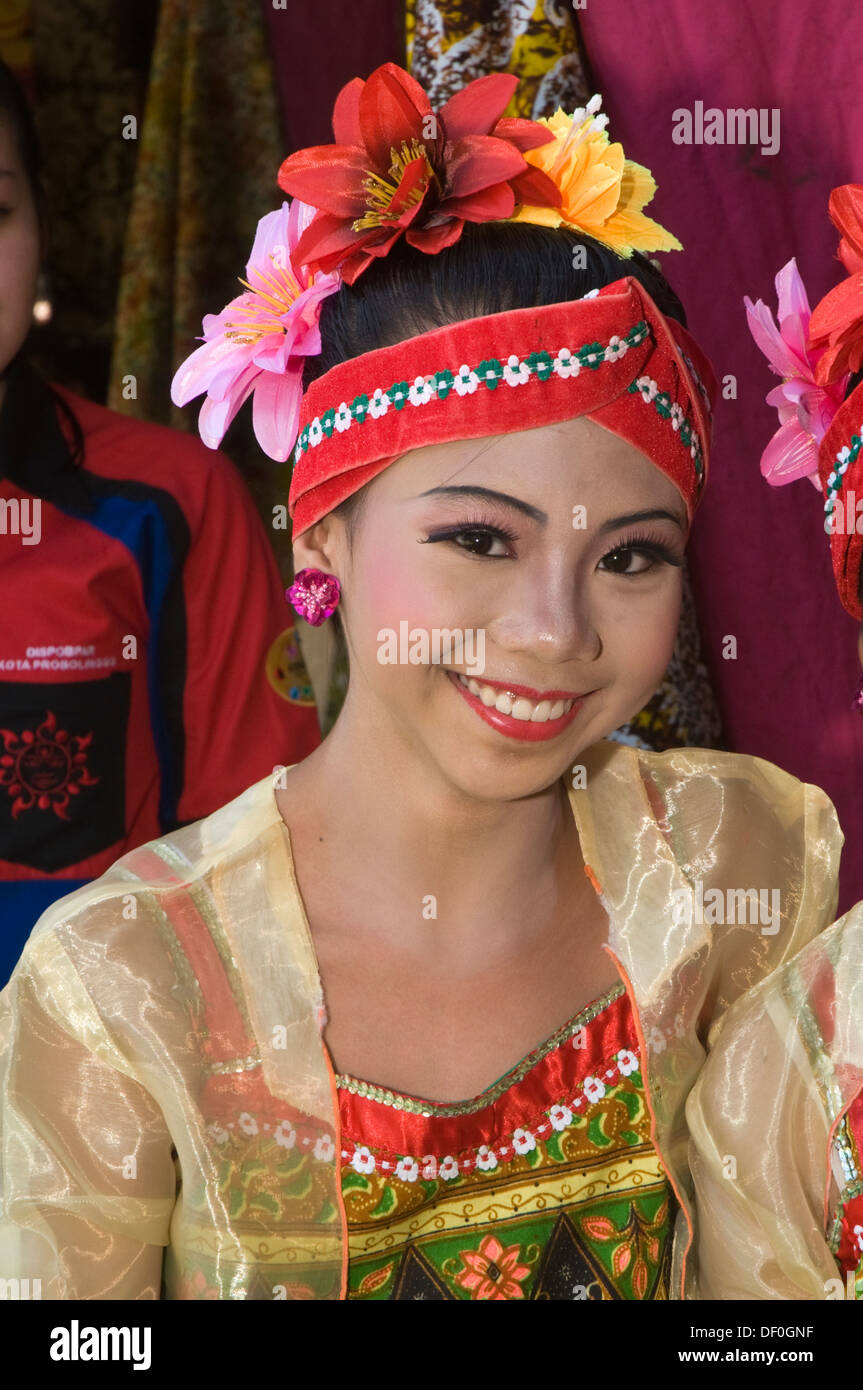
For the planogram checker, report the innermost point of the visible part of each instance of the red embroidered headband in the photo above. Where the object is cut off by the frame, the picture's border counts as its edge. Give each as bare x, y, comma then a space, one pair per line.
611, 356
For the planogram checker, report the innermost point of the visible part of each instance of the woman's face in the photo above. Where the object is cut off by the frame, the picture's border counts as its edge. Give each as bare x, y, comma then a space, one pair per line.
19, 249
555, 552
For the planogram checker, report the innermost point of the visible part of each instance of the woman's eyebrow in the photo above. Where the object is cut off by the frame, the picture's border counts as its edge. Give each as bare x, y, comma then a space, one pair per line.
536, 514
488, 494
650, 514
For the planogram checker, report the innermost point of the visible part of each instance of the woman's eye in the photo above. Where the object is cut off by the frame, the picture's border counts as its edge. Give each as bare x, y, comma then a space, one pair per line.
620, 561
481, 543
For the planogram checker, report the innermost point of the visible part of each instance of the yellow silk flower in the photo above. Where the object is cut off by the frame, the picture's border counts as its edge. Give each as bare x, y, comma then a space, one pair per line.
602, 192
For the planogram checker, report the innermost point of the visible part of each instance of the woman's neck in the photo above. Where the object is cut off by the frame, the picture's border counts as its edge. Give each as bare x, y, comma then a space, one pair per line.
408, 834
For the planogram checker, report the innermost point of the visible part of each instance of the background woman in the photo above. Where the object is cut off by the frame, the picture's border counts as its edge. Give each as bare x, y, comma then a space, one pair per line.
145, 648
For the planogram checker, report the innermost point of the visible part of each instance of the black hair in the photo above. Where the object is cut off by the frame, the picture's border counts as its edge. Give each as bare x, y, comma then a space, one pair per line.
32, 409
493, 267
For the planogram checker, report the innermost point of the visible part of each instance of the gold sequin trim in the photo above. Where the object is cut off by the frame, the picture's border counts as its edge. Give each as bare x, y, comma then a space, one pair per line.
414, 1106
236, 1064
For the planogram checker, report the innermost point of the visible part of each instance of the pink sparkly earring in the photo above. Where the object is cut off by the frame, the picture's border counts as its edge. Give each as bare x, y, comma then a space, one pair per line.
314, 595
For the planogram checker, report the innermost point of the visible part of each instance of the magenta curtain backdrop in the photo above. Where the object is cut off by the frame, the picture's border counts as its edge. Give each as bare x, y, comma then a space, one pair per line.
760, 558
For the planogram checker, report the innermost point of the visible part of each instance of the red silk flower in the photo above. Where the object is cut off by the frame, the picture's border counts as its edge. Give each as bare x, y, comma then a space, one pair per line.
401, 169
837, 321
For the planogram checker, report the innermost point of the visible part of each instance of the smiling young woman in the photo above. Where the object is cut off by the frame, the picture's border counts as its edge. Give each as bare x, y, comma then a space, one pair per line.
417, 1017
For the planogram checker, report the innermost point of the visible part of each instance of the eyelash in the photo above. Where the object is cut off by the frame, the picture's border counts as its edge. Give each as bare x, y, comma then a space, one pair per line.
641, 543
471, 526
652, 546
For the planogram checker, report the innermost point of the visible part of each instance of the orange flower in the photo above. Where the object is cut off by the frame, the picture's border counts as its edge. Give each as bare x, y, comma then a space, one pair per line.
492, 1272
602, 192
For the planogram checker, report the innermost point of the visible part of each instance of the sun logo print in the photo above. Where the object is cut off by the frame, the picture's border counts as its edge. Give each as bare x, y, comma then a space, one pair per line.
44, 768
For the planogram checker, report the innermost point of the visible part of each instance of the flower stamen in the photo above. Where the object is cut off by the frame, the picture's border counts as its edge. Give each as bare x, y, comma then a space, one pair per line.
381, 192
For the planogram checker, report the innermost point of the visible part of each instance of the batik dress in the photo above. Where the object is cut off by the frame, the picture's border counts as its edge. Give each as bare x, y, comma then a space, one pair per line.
544, 1186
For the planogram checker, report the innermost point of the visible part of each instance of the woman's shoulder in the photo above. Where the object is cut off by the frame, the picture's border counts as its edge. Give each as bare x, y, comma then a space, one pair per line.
688, 783
161, 880
126, 449
721, 823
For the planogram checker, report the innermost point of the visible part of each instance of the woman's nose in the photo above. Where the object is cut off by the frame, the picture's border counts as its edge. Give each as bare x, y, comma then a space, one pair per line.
550, 617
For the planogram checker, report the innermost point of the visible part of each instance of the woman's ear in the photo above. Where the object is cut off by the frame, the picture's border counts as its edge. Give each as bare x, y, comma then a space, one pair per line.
322, 547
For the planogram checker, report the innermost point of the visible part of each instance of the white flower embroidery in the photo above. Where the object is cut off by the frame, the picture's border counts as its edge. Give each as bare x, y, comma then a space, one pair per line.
647, 387
627, 1062
677, 417
655, 1040
486, 1159
448, 1168
560, 1116
466, 381
217, 1133
363, 1160
407, 1169
285, 1134
316, 433
591, 294
342, 421
594, 1089
248, 1124
422, 391
324, 1148
565, 364
616, 349
523, 1141
515, 372
379, 404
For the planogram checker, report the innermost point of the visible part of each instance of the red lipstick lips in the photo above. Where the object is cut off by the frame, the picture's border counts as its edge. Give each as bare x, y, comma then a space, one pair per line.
523, 729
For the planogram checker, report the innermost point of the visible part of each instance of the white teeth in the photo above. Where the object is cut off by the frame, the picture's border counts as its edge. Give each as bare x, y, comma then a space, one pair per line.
517, 706
522, 709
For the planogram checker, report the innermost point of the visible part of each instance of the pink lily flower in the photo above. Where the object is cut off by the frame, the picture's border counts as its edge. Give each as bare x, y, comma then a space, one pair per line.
258, 342
805, 409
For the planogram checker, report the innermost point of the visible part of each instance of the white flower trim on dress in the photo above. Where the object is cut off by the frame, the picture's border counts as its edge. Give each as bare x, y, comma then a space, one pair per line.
521, 1142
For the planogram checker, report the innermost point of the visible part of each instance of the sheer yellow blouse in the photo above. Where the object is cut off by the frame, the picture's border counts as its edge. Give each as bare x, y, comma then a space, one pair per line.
180, 992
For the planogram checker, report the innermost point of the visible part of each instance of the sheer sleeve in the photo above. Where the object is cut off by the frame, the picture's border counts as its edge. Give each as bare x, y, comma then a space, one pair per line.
88, 1179
785, 1066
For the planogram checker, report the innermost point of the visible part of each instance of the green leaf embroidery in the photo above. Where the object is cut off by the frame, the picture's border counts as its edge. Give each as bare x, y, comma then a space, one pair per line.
352, 1179
266, 1202
386, 1204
